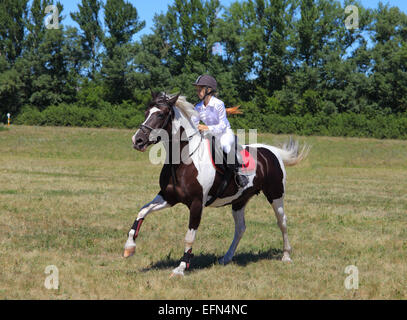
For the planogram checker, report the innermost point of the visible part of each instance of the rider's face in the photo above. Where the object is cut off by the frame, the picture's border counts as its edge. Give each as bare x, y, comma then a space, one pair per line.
200, 91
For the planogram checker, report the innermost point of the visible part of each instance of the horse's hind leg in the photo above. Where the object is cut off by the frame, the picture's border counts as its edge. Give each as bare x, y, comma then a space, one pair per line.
240, 228
278, 206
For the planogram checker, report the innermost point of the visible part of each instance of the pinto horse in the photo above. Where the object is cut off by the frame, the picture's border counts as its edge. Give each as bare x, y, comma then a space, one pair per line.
194, 181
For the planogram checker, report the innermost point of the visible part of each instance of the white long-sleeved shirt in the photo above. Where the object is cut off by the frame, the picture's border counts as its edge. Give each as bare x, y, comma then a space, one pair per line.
213, 115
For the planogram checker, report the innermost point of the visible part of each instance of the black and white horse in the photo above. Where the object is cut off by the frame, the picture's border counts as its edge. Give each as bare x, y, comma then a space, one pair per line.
194, 180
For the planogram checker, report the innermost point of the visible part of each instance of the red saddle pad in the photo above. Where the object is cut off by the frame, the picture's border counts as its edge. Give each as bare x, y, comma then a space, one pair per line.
249, 164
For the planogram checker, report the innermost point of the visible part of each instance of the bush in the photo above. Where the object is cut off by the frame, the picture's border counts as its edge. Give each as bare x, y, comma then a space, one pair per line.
30, 116
345, 125
92, 96
130, 115
125, 115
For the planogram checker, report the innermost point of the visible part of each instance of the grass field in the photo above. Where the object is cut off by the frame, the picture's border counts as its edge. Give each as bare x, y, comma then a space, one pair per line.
69, 196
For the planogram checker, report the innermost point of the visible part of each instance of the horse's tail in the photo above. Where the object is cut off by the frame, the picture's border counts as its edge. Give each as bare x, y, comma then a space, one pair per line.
291, 153
234, 110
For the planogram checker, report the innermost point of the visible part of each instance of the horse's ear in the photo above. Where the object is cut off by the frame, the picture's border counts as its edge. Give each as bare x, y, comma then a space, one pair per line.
153, 94
173, 100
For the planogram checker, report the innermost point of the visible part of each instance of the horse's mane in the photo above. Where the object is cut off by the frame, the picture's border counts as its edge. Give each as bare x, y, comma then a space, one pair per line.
185, 107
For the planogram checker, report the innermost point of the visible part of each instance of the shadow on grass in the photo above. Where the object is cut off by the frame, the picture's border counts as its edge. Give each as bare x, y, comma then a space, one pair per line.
203, 261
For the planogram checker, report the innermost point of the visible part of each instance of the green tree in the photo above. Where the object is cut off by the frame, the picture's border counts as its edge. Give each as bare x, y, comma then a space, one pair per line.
122, 22
11, 97
186, 32
13, 14
92, 34
153, 73
272, 54
46, 66
118, 71
388, 85
237, 33
258, 36
12, 21
326, 75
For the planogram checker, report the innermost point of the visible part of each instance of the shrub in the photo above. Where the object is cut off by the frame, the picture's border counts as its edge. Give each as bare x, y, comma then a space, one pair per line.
126, 115
29, 116
345, 124
130, 115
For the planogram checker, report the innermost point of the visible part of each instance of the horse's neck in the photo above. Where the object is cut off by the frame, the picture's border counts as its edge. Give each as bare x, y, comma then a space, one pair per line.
185, 128
181, 120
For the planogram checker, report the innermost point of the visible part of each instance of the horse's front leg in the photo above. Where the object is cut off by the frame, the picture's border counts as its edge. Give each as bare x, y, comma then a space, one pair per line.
157, 204
194, 221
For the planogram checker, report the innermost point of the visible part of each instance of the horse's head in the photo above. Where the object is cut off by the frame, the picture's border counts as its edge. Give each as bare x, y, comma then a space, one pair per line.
158, 116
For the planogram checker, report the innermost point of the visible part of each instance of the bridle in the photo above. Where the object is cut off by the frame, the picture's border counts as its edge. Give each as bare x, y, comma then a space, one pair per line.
163, 126
144, 126
170, 115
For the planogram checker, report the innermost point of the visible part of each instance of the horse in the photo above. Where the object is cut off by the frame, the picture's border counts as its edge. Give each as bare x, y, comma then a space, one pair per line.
195, 181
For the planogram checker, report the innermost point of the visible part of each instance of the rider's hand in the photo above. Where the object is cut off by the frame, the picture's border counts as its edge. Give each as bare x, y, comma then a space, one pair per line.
202, 127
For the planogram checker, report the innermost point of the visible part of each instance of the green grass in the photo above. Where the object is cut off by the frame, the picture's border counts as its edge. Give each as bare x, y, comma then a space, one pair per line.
68, 197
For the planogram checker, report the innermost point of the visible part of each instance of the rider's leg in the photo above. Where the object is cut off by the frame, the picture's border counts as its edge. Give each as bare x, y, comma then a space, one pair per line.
234, 161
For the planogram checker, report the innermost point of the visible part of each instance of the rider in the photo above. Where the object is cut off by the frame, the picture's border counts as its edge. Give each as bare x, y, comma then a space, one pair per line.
213, 113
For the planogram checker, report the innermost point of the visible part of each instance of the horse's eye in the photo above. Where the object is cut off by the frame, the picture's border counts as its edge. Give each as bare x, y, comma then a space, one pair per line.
160, 116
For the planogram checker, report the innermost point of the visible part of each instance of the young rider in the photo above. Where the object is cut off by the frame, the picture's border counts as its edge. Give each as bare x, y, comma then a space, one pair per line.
212, 112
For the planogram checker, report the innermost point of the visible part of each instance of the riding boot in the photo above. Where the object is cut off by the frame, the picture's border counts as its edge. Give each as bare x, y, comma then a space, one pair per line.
240, 179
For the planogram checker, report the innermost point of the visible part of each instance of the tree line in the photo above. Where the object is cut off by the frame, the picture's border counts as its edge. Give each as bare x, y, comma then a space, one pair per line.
276, 58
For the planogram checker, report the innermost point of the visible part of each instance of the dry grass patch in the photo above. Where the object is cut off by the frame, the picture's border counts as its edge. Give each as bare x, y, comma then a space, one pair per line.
68, 197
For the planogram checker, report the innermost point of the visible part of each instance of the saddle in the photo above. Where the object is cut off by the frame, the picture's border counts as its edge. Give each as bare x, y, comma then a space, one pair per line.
220, 161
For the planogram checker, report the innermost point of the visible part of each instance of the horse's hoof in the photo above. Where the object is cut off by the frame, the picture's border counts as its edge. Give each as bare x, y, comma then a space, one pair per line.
286, 259
177, 274
129, 252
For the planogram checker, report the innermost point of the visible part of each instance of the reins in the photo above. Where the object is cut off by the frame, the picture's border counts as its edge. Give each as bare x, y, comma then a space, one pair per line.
164, 126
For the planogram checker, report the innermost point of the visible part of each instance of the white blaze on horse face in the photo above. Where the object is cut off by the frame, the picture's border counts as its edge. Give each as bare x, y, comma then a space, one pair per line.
152, 111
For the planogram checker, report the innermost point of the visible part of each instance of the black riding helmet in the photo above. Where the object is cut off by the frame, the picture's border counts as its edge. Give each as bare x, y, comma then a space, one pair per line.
206, 81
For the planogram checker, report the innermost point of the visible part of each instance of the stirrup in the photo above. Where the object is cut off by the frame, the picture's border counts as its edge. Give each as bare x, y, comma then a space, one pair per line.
241, 180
